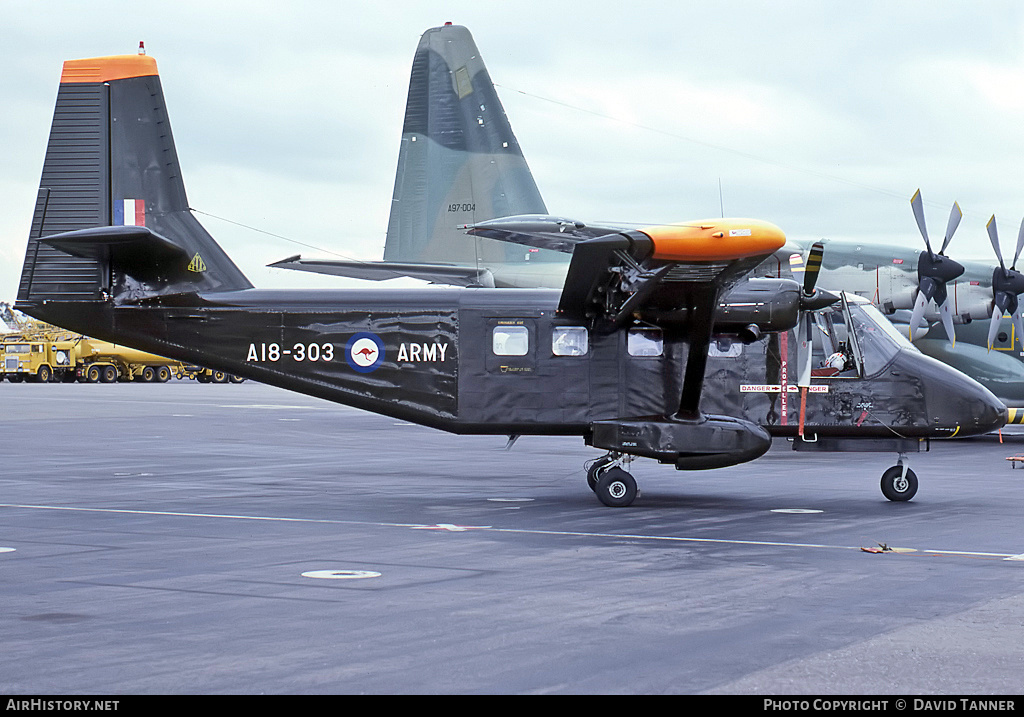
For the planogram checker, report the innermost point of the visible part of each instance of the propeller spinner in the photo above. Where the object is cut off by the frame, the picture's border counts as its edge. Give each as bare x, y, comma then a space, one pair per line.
1006, 285
934, 271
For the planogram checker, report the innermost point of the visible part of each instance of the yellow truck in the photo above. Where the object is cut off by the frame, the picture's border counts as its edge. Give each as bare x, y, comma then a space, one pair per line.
42, 353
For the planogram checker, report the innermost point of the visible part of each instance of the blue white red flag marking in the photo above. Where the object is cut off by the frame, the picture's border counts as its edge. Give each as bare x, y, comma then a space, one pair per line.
130, 213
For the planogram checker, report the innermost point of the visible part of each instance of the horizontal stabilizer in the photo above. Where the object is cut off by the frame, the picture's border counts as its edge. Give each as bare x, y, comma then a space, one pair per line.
138, 252
382, 270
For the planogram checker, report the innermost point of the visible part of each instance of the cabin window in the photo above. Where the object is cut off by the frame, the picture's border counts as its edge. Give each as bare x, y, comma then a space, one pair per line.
644, 342
510, 340
569, 341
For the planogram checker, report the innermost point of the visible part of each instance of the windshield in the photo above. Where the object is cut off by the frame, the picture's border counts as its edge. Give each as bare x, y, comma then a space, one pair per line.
879, 340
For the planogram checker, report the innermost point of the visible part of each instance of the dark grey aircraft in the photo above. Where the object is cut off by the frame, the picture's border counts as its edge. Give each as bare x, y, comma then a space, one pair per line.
463, 186
621, 355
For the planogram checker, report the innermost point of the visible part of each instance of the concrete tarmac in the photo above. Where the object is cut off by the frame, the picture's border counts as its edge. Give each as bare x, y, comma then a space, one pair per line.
207, 539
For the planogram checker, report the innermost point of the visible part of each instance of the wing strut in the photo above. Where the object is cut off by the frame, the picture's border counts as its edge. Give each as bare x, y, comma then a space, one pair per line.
702, 308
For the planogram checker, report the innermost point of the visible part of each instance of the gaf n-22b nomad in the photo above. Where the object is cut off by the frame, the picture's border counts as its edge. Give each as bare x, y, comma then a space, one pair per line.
619, 356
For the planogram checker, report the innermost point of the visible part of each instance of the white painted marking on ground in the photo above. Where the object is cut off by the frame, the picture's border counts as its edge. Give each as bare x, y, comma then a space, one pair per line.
445, 526
1015, 557
510, 500
967, 552
7, 550
341, 574
273, 406
796, 510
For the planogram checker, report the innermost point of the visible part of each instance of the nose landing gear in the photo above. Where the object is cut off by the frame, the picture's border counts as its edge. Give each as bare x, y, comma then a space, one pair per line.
899, 483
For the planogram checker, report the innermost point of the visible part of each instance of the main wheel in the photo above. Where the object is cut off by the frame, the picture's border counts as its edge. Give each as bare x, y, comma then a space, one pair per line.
896, 486
595, 470
44, 374
148, 374
108, 375
93, 374
616, 488
163, 374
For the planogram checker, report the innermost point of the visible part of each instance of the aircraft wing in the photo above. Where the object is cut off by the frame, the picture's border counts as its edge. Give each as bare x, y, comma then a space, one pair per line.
540, 231
620, 272
454, 274
671, 276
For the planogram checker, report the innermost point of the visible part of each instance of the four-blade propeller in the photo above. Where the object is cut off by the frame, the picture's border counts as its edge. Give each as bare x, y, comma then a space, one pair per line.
934, 271
1006, 285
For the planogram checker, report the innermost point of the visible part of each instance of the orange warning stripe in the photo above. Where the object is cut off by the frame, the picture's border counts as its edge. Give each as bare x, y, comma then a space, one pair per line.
715, 239
107, 69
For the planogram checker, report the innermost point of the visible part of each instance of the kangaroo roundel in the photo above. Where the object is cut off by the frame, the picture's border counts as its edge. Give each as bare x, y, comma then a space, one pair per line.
364, 352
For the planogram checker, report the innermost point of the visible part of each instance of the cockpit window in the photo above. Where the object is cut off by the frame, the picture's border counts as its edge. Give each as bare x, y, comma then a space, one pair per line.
895, 334
872, 346
878, 339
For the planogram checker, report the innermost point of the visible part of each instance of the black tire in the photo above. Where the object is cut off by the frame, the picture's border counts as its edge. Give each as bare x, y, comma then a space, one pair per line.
219, 377
895, 487
595, 470
163, 374
616, 488
93, 374
44, 374
236, 379
108, 374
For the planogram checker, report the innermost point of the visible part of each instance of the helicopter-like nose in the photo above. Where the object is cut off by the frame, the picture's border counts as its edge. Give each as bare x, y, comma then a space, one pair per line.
956, 404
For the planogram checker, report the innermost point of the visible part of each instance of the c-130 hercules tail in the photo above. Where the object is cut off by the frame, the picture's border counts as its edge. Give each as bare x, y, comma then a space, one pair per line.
618, 356
459, 163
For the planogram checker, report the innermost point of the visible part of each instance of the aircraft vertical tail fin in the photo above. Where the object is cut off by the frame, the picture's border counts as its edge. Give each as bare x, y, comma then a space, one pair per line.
111, 187
459, 161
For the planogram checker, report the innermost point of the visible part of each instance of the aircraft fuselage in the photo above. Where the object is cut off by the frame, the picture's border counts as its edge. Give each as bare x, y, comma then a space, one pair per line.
494, 361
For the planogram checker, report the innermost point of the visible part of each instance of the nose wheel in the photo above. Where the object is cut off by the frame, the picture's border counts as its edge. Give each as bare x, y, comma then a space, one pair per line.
899, 483
612, 484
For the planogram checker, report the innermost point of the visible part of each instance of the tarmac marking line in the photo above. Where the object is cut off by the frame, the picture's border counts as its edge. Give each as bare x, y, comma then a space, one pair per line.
524, 531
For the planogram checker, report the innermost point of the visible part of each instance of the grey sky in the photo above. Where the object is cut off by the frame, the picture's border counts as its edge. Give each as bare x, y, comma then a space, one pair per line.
822, 117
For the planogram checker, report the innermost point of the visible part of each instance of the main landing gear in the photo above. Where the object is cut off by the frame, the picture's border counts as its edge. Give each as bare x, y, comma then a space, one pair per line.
611, 483
899, 483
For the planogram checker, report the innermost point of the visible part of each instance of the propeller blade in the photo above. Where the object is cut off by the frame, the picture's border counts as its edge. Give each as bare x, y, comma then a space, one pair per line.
993, 236
806, 349
1020, 245
993, 327
946, 314
813, 267
915, 318
955, 215
915, 203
